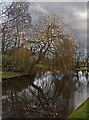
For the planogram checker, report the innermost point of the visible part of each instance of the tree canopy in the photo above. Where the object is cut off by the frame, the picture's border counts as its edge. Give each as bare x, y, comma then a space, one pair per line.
48, 42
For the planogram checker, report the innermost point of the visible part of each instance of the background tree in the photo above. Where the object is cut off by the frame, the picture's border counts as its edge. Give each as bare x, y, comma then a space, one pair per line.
16, 22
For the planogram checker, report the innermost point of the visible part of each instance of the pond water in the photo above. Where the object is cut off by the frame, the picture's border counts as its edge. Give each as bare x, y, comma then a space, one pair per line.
46, 96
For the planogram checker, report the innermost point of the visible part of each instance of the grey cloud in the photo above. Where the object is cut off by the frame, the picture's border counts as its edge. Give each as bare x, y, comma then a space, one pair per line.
69, 11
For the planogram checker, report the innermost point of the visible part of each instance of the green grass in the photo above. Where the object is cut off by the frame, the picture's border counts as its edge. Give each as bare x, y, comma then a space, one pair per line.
81, 112
83, 65
10, 74
41, 66
81, 68
0, 76
15, 74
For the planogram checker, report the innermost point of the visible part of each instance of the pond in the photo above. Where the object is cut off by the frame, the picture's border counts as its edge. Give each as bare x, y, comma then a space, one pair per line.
44, 96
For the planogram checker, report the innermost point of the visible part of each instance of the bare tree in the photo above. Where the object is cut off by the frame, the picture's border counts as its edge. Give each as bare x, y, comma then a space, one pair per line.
16, 21
48, 42
52, 45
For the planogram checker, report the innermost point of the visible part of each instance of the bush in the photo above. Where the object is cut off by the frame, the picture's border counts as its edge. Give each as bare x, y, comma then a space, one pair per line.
9, 64
6, 63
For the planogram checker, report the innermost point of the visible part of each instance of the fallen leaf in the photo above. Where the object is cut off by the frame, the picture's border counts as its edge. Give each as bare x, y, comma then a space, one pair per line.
24, 108
56, 113
26, 113
34, 106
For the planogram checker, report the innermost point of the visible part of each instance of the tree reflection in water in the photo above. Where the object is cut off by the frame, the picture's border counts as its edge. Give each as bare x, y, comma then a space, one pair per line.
46, 96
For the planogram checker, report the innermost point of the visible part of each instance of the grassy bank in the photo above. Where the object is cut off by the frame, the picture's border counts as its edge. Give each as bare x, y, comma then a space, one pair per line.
10, 74
0, 76
82, 68
81, 112
41, 66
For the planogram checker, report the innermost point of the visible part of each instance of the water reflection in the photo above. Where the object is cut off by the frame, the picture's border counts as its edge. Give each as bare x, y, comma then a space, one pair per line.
44, 96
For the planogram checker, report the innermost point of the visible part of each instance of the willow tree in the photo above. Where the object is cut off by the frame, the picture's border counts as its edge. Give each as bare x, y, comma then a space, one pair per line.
51, 45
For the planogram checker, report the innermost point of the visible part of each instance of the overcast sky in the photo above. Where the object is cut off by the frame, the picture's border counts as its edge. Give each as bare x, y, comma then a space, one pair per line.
74, 14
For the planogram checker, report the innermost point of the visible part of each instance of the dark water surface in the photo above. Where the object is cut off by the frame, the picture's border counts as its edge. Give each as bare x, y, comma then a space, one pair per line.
43, 97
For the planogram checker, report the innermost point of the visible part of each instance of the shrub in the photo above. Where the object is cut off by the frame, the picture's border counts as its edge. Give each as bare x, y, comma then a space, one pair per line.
6, 63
